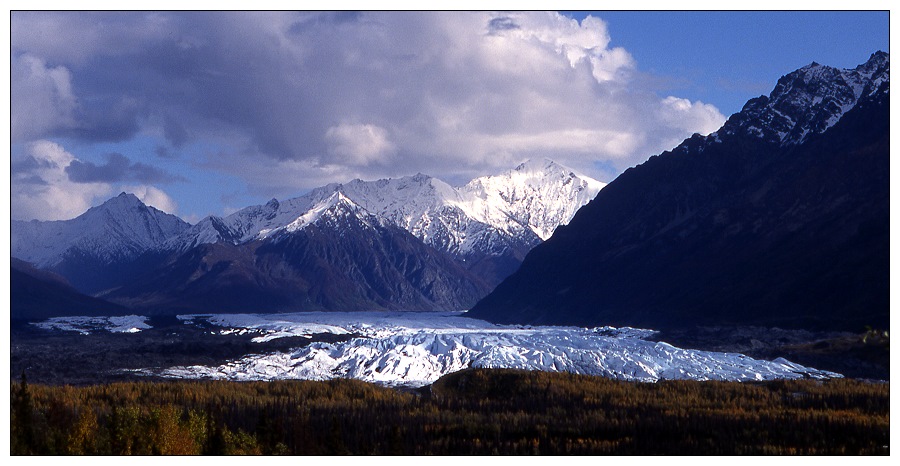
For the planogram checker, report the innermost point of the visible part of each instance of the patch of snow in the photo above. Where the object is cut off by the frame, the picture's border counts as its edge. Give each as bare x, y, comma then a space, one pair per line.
87, 325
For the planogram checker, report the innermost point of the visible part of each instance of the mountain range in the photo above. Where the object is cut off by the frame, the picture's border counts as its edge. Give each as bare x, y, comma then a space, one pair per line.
779, 218
409, 243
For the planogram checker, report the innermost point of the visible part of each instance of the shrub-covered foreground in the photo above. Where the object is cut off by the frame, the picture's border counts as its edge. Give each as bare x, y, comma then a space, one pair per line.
469, 412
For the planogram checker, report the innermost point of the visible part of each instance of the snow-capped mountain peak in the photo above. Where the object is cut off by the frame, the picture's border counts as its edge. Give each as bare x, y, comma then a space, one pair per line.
538, 194
121, 227
335, 206
485, 216
808, 101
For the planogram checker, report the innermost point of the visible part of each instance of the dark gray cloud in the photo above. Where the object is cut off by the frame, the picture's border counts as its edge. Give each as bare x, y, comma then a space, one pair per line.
105, 118
502, 23
175, 132
164, 152
32, 180
325, 18
117, 169
29, 164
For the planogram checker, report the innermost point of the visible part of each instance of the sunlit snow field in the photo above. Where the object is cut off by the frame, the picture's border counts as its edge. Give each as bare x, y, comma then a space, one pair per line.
86, 325
414, 349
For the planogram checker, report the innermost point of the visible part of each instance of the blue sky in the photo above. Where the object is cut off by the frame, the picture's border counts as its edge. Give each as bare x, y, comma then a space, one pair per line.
204, 113
726, 58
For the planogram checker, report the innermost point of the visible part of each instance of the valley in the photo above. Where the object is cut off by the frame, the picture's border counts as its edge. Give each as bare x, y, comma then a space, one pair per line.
721, 246
450, 232
394, 349
58, 357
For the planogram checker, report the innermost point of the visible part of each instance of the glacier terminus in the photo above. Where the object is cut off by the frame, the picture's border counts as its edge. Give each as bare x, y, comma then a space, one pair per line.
414, 349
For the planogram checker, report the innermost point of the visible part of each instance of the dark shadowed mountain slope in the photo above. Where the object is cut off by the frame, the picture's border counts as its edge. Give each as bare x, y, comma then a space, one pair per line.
438, 246
488, 225
341, 259
37, 294
98, 248
780, 218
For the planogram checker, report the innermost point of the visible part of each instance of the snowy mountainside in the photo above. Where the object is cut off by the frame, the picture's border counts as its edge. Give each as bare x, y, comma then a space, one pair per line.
333, 207
489, 215
447, 245
540, 195
809, 101
780, 218
119, 229
336, 256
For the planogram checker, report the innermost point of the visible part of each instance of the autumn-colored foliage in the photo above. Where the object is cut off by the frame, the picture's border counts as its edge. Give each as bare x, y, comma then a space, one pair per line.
469, 412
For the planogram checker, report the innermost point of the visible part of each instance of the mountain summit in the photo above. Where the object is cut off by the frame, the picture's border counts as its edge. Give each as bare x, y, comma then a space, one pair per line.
412, 243
809, 101
780, 218
119, 228
488, 224
336, 256
105, 237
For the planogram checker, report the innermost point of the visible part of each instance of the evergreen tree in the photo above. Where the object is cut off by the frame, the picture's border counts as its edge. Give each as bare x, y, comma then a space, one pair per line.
22, 421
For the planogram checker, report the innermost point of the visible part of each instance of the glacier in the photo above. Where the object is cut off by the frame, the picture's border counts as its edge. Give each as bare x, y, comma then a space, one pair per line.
414, 349
86, 325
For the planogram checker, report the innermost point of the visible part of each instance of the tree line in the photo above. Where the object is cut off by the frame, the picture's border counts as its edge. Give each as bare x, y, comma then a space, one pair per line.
474, 411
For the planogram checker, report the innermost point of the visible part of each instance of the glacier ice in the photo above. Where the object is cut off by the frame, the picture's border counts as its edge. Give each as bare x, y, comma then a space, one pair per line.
86, 325
415, 349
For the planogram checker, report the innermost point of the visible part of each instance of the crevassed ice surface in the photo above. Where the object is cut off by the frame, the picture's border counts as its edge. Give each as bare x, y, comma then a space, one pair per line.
86, 325
416, 349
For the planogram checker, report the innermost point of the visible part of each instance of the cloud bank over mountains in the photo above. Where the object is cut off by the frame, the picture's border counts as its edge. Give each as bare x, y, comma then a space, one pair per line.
288, 101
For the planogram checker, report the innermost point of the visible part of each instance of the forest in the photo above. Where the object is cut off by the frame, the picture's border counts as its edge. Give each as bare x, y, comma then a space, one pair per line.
476, 411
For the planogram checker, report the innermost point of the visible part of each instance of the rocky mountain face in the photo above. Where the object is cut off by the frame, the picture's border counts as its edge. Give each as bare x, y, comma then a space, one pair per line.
809, 101
780, 218
342, 258
97, 248
488, 225
414, 243
39, 294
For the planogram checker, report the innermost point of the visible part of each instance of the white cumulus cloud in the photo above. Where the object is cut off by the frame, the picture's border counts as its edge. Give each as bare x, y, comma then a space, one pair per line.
359, 144
41, 189
293, 100
154, 197
41, 98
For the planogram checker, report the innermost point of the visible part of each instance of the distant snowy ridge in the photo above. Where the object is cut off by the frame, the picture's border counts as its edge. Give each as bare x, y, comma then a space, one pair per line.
87, 325
417, 349
120, 228
486, 215
809, 101
445, 246
539, 194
